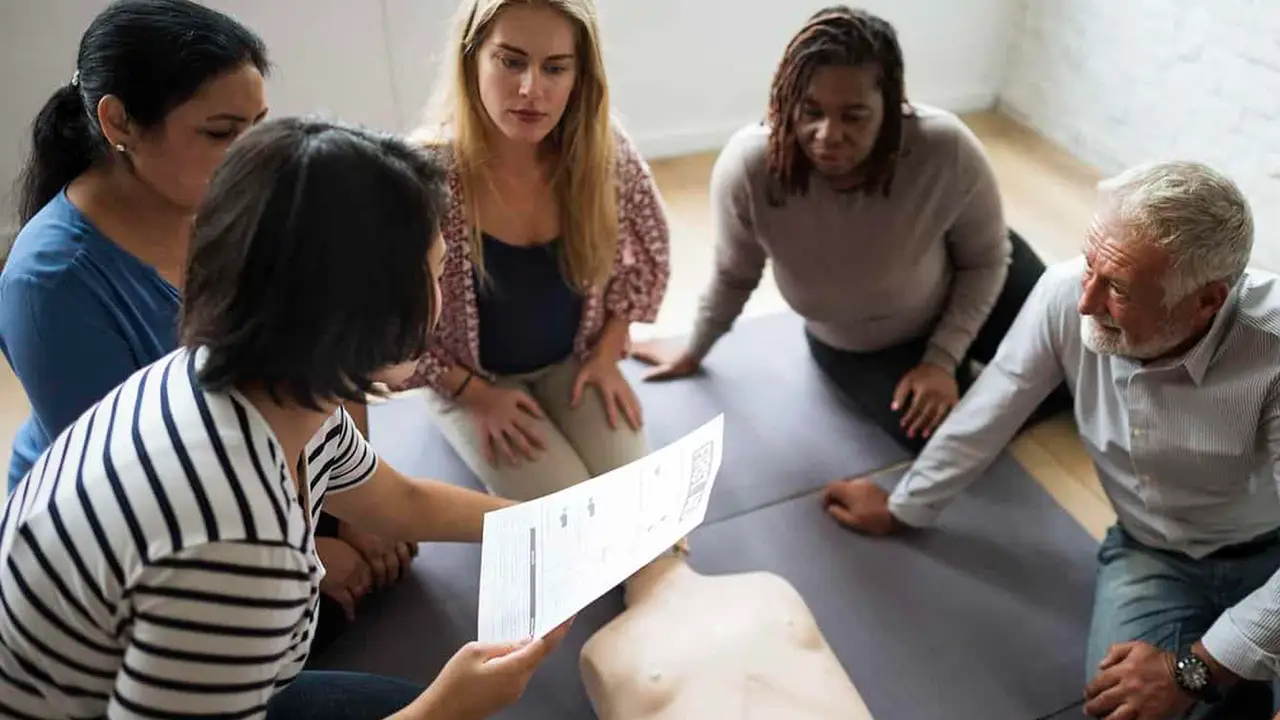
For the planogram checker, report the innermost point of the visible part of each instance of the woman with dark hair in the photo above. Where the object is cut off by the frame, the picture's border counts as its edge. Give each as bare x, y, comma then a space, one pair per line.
884, 225
121, 156
159, 560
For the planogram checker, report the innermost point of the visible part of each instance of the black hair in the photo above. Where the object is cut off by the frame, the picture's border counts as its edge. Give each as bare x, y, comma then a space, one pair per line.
308, 269
835, 36
153, 55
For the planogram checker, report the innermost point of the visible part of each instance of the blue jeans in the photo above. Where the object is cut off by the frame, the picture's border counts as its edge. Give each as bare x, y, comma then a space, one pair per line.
1169, 600
324, 695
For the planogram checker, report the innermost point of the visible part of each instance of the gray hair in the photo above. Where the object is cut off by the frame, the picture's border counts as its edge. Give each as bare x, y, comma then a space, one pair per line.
1191, 211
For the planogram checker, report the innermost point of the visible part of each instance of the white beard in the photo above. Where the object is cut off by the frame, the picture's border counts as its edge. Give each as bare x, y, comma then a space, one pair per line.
1104, 340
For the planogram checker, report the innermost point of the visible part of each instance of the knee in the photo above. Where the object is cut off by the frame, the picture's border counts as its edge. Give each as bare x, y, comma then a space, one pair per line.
532, 480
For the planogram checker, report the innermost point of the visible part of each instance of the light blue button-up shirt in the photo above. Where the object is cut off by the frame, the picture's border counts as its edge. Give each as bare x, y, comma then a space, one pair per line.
1186, 449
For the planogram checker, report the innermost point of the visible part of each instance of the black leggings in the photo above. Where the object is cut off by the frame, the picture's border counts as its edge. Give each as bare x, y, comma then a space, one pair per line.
868, 379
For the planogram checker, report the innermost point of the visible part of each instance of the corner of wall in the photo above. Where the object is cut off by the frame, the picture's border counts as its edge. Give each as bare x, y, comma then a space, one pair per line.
1013, 40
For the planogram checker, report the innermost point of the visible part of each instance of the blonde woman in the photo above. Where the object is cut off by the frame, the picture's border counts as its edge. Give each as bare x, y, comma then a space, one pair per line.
557, 242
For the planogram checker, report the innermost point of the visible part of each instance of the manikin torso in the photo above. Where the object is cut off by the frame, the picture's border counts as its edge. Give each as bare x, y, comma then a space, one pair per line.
715, 647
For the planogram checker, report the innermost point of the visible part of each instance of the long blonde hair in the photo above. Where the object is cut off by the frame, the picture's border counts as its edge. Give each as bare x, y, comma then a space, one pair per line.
583, 174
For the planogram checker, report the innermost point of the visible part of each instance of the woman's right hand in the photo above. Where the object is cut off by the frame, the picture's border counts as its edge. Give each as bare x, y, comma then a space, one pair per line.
483, 678
505, 416
670, 362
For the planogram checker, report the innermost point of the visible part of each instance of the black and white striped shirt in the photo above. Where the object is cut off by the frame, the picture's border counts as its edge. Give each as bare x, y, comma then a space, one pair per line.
156, 562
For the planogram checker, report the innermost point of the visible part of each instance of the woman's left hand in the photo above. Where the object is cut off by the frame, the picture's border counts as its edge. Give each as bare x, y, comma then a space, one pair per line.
602, 371
928, 392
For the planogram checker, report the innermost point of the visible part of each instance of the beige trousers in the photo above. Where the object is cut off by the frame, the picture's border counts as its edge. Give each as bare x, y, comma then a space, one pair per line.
579, 443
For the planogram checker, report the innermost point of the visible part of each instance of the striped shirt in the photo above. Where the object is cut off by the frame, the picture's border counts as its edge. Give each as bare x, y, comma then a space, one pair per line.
157, 562
1186, 449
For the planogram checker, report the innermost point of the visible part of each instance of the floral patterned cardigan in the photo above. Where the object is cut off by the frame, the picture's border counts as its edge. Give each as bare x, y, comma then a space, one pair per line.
634, 291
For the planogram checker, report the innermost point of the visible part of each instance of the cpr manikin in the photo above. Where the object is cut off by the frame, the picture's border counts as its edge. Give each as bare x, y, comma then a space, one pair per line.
712, 647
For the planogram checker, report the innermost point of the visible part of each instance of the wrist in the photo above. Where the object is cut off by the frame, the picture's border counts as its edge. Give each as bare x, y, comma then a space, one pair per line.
472, 391
939, 358
1218, 674
1192, 676
427, 706
612, 342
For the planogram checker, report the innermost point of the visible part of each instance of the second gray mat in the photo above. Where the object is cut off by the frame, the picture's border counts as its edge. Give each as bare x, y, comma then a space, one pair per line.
985, 616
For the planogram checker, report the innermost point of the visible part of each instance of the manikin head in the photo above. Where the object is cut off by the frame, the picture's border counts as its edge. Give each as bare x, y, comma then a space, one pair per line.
837, 103
1168, 242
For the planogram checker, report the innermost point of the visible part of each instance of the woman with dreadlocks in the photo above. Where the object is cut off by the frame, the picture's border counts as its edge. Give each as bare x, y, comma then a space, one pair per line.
884, 225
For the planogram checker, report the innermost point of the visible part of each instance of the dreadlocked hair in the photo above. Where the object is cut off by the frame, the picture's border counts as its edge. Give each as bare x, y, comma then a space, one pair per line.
835, 36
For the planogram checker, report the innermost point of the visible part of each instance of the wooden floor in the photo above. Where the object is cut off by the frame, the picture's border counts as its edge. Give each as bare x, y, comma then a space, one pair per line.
1048, 198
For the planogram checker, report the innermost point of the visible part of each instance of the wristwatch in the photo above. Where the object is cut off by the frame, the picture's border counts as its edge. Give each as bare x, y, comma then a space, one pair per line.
1192, 675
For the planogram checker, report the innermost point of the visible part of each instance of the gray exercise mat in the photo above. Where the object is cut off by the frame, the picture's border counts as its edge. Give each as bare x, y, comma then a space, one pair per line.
787, 432
985, 616
405, 436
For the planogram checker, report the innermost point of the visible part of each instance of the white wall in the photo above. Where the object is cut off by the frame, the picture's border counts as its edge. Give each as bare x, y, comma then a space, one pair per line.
1117, 83
684, 73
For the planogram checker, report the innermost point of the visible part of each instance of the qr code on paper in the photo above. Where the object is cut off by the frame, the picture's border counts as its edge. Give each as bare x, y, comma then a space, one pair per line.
699, 477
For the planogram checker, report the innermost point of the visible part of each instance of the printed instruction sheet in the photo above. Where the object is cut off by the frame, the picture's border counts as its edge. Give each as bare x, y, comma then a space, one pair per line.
544, 560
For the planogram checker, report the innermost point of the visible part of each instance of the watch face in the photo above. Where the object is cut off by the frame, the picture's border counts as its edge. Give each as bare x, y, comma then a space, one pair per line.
1194, 673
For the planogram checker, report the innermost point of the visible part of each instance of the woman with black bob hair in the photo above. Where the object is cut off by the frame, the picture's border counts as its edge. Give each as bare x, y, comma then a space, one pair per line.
173, 521
121, 156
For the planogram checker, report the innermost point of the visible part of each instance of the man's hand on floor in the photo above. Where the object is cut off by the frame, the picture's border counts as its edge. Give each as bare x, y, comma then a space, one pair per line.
860, 504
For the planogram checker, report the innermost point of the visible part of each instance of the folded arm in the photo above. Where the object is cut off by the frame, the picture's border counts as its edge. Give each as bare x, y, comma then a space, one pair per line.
376, 498
398, 507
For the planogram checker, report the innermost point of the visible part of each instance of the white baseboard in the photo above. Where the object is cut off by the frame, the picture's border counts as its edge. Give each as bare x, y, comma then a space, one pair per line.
674, 142
962, 103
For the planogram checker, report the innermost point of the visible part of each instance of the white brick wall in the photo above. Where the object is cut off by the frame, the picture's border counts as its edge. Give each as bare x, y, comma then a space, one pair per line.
1118, 82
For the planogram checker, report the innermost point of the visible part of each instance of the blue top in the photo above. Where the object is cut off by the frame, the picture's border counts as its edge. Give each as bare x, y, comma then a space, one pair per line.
529, 315
78, 315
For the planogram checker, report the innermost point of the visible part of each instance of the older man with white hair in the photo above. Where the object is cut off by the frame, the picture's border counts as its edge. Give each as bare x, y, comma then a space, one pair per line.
1171, 348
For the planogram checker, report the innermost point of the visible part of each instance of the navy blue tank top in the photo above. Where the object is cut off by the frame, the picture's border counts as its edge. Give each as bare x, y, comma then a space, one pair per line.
529, 315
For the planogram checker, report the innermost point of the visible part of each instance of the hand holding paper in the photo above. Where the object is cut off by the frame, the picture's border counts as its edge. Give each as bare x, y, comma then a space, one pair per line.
544, 560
